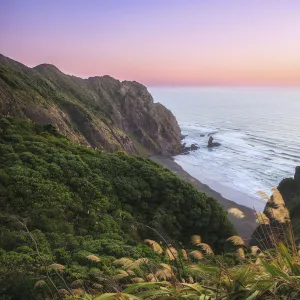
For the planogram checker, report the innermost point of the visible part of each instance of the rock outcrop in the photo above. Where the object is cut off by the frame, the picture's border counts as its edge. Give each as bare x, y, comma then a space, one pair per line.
211, 144
101, 112
290, 191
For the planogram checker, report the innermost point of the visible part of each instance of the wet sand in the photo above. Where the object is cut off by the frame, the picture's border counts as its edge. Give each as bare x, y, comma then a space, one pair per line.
243, 226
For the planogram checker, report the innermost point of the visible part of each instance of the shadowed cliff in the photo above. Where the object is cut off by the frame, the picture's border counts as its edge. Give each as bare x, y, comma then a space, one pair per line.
101, 112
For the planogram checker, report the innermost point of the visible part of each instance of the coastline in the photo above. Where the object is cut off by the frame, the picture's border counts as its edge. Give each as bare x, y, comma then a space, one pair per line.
244, 227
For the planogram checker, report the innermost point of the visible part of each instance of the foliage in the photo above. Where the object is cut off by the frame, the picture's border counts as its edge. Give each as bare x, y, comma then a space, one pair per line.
75, 203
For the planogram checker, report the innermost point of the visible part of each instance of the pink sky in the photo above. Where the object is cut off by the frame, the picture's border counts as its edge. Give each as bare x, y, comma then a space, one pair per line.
171, 42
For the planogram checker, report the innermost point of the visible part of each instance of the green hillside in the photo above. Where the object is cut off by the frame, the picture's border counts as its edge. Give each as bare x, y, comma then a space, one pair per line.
76, 201
100, 112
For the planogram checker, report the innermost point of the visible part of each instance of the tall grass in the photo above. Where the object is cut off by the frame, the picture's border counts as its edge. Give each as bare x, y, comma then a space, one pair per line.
268, 270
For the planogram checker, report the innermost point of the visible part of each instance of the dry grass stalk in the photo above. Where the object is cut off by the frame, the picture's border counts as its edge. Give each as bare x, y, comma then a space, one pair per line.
93, 258
137, 279
236, 240
255, 250
236, 213
136, 264
261, 218
280, 214
123, 262
196, 239
63, 292
130, 272
196, 254
241, 253
191, 280
164, 272
263, 195
277, 198
171, 253
97, 286
57, 266
154, 245
151, 278
122, 274
76, 283
77, 292
184, 254
40, 283
165, 266
206, 248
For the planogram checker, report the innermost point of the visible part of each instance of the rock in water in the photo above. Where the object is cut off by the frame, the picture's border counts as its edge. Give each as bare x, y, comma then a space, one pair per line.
183, 136
211, 144
214, 144
194, 147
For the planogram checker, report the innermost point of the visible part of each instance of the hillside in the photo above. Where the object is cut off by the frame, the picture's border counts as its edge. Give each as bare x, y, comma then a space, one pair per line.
77, 201
100, 112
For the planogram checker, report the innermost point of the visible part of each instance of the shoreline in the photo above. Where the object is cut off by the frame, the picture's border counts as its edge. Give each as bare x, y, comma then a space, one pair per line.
244, 227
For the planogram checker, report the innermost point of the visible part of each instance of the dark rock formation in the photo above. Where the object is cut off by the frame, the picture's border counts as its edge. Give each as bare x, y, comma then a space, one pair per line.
194, 147
187, 149
202, 135
297, 175
290, 191
215, 144
101, 112
183, 136
211, 144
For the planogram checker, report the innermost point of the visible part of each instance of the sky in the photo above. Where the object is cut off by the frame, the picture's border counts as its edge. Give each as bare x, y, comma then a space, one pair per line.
159, 42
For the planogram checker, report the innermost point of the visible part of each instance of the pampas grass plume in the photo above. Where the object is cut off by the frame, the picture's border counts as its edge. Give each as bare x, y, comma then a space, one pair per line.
196, 239
57, 266
236, 240
196, 254
236, 213
206, 248
93, 258
154, 245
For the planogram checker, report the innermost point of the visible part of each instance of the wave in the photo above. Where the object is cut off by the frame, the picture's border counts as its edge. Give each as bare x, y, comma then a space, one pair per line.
238, 164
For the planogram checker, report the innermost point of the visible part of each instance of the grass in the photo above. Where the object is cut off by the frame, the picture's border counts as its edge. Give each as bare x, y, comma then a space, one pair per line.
197, 273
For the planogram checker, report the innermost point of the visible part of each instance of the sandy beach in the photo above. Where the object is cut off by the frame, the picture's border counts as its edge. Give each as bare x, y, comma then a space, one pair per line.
243, 226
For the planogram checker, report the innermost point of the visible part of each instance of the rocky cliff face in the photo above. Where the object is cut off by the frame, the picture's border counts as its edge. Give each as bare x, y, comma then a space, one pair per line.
100, 111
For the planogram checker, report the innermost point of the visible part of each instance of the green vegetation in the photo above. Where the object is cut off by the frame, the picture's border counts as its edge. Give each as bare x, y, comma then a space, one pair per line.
200, 274
78, 210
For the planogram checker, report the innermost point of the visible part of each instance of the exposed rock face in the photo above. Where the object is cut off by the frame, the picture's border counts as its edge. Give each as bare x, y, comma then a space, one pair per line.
100, 111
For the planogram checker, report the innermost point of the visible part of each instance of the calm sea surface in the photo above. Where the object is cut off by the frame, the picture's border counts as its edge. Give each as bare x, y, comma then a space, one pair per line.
259, 129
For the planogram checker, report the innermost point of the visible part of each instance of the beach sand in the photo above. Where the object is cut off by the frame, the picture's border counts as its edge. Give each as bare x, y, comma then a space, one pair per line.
243, 226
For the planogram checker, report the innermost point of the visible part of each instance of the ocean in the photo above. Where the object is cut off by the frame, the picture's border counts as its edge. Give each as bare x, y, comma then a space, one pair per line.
259, 132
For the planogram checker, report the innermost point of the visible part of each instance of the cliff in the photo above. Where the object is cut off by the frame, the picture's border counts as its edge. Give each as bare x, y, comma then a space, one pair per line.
101, 112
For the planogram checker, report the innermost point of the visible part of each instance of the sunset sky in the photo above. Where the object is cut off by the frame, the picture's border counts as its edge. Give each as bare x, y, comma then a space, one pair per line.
158, 42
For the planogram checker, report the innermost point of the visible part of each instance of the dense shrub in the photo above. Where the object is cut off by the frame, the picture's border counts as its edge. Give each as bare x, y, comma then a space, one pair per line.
76, 199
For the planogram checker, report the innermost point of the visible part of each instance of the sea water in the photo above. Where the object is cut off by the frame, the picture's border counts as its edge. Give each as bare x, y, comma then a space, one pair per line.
259, 132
